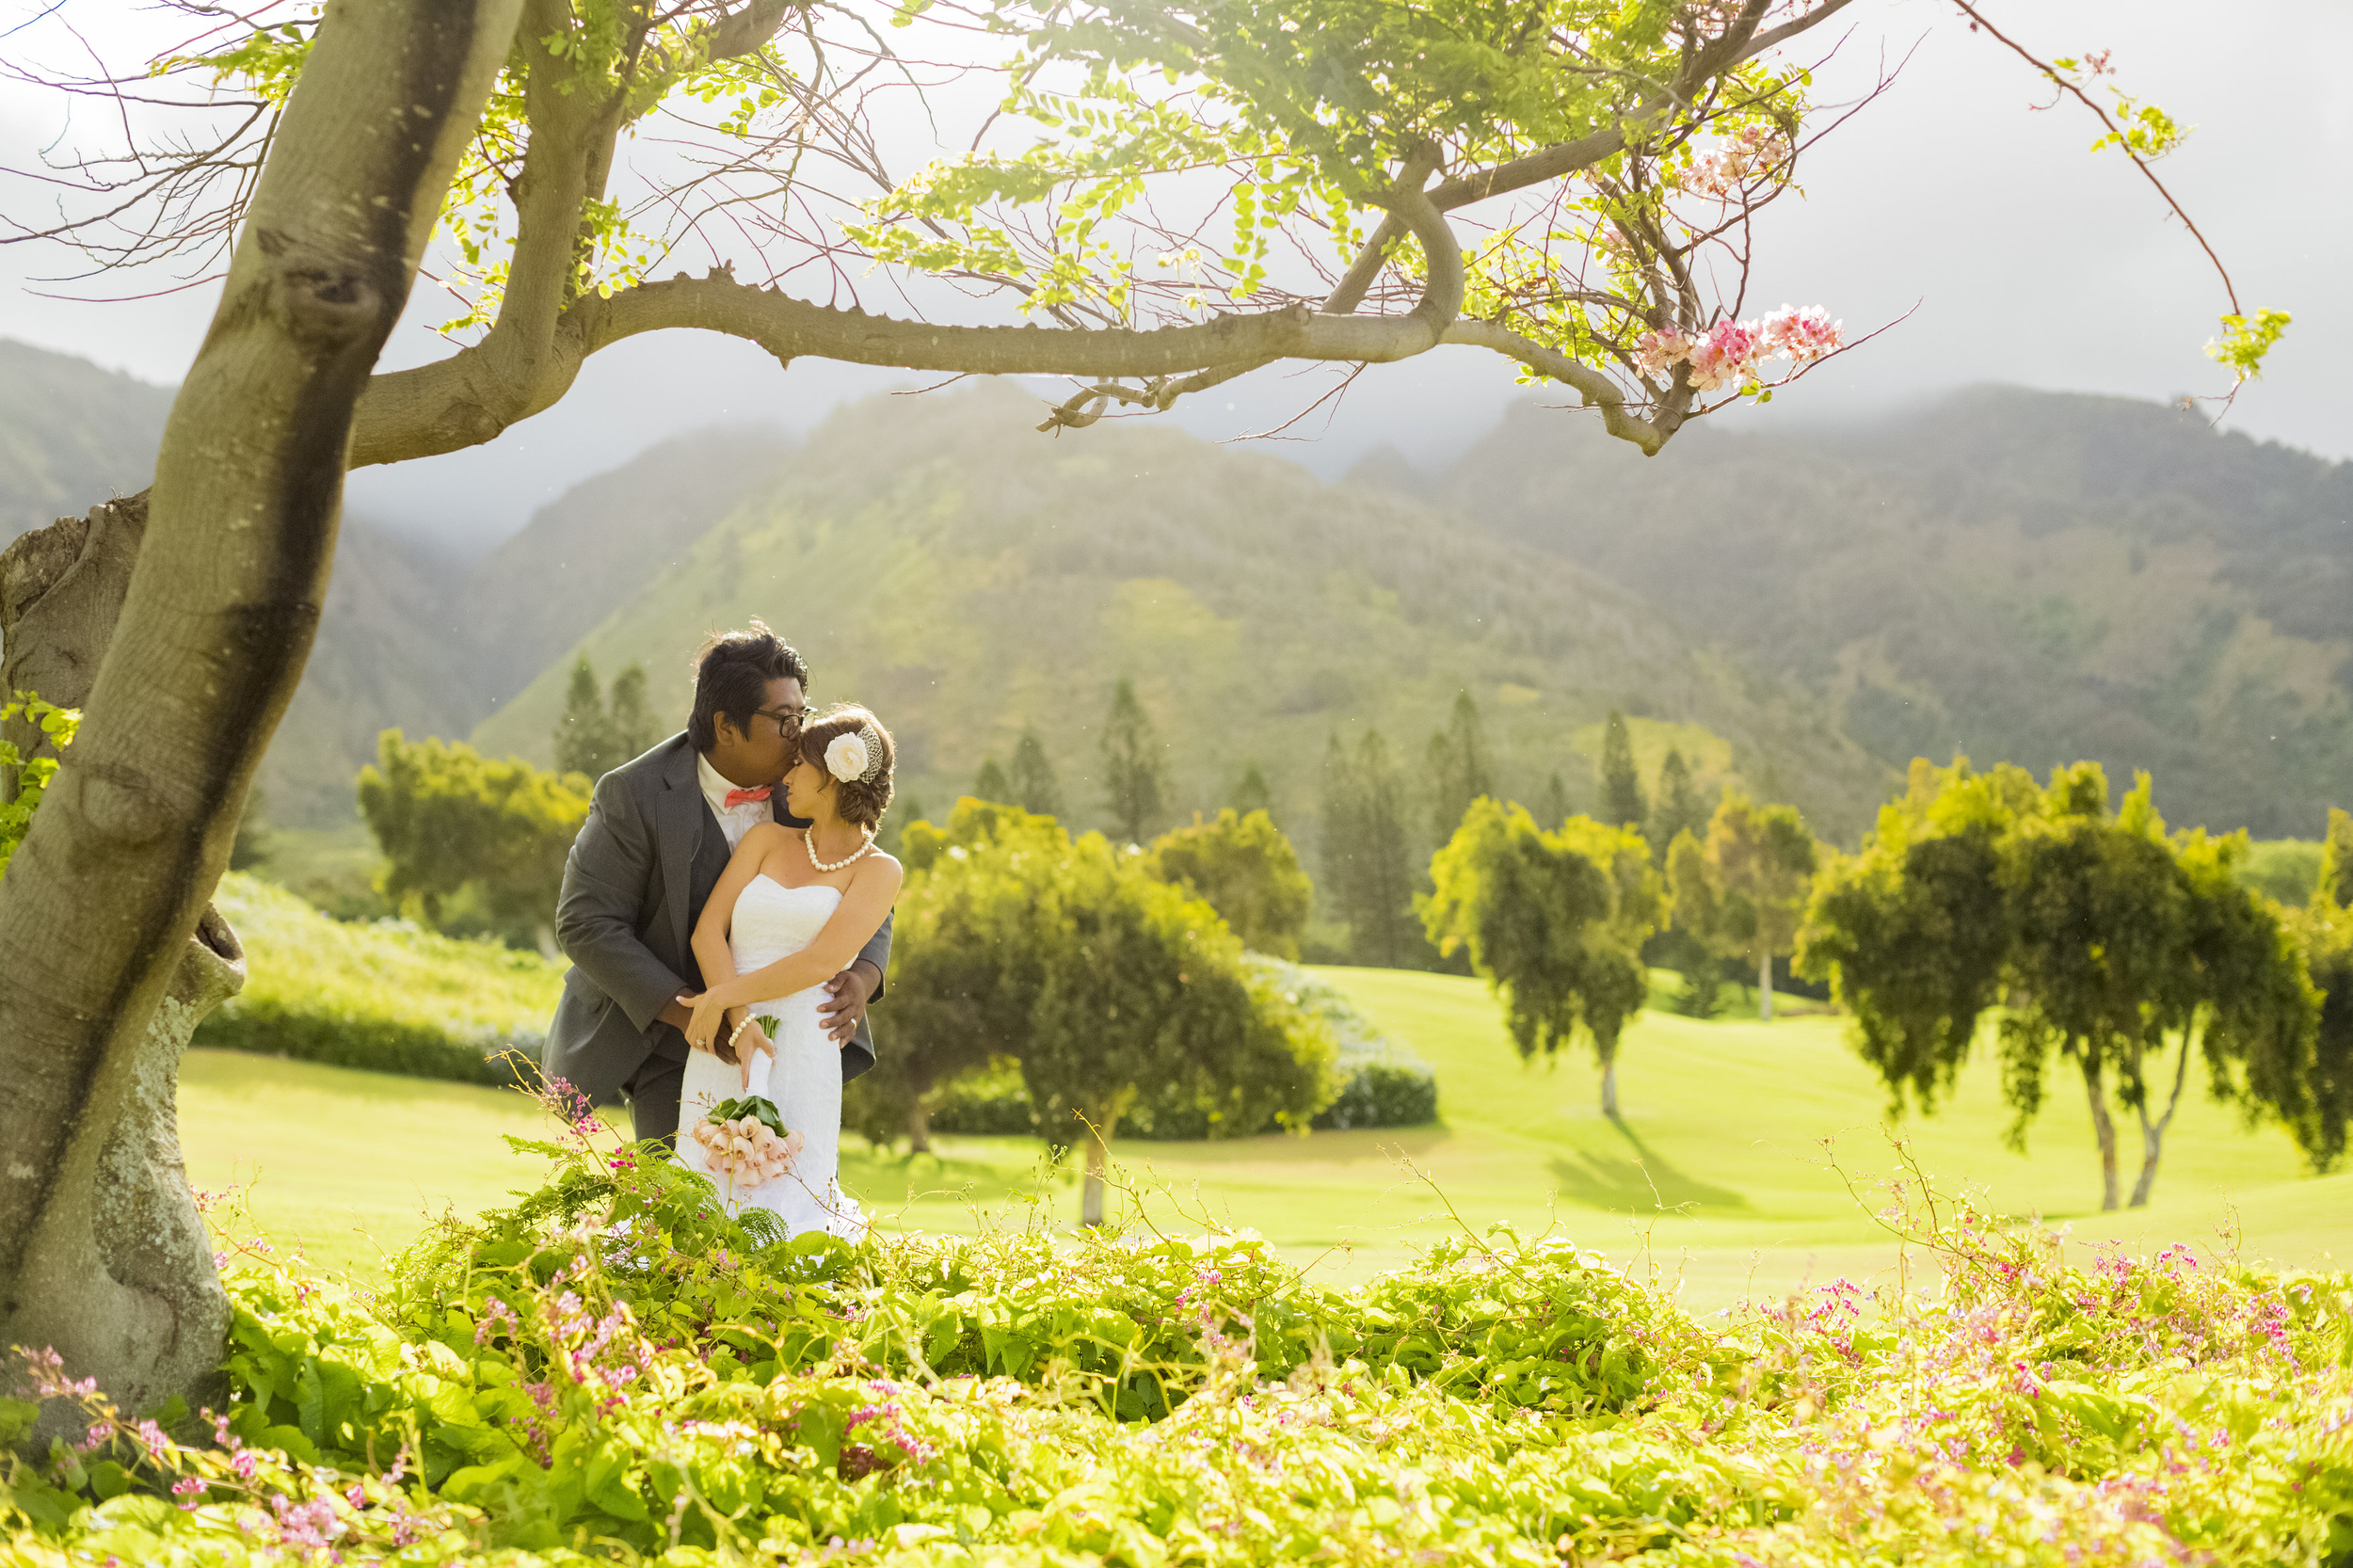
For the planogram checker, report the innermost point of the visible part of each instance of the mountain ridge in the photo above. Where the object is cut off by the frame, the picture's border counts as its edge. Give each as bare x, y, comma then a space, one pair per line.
967, 579
2017, 575
2027, 577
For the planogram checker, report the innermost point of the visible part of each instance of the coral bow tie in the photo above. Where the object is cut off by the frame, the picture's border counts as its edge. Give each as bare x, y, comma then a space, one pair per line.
745, 797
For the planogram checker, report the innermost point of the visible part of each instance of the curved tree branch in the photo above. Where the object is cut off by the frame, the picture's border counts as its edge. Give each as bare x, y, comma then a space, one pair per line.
469, 398
1596, 389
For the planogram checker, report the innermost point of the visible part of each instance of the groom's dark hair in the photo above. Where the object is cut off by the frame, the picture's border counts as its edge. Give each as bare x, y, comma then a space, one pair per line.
731, 674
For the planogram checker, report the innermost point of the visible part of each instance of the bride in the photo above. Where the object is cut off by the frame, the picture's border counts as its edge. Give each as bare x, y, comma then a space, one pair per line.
793, 909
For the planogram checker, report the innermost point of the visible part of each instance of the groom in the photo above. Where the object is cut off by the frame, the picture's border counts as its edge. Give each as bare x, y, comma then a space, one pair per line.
658, 836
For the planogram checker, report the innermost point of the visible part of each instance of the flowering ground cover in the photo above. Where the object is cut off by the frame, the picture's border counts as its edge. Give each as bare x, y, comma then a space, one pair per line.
609, 1369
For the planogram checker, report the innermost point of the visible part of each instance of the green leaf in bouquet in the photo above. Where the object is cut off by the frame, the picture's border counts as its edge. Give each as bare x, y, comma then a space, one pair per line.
759, 1107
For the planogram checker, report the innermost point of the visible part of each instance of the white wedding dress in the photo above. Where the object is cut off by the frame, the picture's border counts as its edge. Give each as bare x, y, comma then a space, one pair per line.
803, 1078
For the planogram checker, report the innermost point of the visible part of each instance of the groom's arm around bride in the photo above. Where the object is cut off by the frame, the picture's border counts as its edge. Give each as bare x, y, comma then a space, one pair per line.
659, 834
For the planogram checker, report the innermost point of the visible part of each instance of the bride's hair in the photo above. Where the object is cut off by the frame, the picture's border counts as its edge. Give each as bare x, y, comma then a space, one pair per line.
860, 801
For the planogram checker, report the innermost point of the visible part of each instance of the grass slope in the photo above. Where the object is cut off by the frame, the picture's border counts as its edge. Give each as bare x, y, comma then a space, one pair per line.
376, 992
1724, 1118
935, 560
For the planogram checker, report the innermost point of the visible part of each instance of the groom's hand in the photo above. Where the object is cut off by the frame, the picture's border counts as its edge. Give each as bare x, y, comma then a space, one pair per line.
844, 1007
679, 1014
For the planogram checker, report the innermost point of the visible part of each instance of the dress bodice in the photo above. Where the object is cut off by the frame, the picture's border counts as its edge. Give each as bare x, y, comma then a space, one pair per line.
772, 921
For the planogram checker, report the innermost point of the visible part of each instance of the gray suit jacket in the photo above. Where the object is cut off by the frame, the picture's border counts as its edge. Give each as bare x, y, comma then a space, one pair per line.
636, 883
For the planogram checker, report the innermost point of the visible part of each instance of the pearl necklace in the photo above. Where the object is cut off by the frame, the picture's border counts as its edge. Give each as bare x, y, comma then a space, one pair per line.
809, 844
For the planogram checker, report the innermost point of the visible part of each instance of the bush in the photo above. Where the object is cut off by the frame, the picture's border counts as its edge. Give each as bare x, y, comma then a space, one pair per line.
1382, 1083
385, 997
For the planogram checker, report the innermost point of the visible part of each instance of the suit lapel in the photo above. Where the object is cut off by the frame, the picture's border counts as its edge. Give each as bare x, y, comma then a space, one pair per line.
680, 830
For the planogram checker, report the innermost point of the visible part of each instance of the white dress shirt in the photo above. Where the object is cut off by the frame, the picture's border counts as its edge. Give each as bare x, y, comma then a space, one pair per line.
734, 821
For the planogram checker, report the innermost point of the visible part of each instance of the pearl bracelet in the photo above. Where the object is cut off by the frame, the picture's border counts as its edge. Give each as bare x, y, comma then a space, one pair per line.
738, 1033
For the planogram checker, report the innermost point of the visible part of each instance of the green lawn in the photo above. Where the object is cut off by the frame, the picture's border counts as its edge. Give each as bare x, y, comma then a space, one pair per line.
1724, 1124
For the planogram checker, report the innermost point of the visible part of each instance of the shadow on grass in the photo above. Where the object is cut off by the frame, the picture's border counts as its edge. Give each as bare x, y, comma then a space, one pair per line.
1638, 1180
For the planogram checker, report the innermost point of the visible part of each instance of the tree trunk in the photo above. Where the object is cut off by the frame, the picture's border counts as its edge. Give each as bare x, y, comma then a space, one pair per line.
1765, 989
1609, 1085
920, 1125
101, 1254
2152, 1134
2103, 1126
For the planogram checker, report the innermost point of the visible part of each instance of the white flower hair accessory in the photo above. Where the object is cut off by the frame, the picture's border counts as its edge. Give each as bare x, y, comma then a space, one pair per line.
845, 757
855, 756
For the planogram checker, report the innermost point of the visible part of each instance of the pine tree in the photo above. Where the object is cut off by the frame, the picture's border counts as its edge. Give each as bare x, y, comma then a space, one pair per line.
1622, 804
1368, 853
1135, 774
632, 723
991, 784
1676, 807
1392, 938
585, 741
1032, 779
1556, 803
1459, 768
1252, 794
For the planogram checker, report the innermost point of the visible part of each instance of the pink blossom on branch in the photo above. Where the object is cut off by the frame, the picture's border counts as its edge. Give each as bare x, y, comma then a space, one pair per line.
1732, 353
1750, 154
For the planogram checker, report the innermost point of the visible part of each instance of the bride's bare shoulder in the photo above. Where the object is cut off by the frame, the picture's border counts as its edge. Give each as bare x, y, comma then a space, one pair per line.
874, 863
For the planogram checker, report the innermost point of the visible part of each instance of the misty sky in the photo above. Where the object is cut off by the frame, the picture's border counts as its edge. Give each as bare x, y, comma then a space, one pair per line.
2029, 261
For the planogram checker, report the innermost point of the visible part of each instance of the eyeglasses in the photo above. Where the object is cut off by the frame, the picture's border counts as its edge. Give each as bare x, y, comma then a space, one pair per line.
788, 719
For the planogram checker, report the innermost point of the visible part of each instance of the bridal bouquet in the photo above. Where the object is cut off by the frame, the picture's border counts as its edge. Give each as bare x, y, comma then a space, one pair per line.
747, 1139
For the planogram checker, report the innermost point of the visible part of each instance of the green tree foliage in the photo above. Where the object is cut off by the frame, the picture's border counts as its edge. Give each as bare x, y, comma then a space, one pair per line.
1460, 770
1743, 893
632, 713
991, 784
2098, 916
2112, 942
1252, 794
1368, 853
1913, 932
449, 820
1135, 767
1030, 782
1677, 806
1621, 781
593, 738
1147, 999
968, 960
1108, 986
2325, 927
1555, 922
252, 844
2335, 885
23, 778
1243, 867
1553, 805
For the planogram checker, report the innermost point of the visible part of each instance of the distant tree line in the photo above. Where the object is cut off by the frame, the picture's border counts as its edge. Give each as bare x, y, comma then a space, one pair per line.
598, 734
2092, 941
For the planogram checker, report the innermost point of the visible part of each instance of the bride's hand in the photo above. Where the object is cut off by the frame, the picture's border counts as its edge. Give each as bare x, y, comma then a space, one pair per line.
710, 1017
751, 1040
